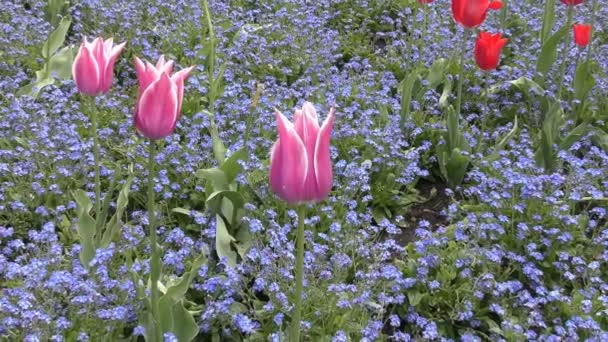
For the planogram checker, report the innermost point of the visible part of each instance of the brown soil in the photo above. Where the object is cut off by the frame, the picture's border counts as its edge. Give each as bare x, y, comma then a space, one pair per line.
429, 210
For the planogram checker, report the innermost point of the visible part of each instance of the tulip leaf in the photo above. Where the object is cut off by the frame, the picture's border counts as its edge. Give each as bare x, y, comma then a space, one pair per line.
184, 325
583, 80
548, 20
437, 73
445, 94
61, 63
223, 241
213, 201
406, 95
216, 176
503, 142
231, 166
546, 154
85, 226
121, 204
548, 51
56, 38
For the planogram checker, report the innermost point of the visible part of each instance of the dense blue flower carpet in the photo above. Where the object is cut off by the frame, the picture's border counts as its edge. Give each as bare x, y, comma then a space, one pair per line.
292, 170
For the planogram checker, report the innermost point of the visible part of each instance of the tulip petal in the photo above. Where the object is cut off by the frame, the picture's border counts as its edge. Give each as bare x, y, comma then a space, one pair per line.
178, 78
85, 71
322, 158
288, 163
109, 66
156, 113
495, 5
164, 65
146, 74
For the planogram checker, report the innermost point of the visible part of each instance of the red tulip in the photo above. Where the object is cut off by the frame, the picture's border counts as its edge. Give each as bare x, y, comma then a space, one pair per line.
487, 50
93, 66
423, 2
300, 164
582, 34
472, 13
159, 102
572, 2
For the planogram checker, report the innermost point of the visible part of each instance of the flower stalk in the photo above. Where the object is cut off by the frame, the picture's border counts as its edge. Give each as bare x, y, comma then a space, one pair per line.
155, 266
297, 315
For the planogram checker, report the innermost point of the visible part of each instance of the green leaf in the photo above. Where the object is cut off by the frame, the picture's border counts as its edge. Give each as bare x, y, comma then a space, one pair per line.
43, 79
583, 80
61, 63
216, 176
575, 135
234, 196
231, 166
56, 38
121, 205
548, 51
503, 142
406, 95
223, 241
548, 20
414, 297
456, 167
178, 290
445, 94
437, 73
184, 325
85, 226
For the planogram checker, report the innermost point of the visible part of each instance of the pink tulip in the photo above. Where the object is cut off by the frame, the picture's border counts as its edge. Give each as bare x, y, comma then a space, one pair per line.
93, 66
300, 164
159, 101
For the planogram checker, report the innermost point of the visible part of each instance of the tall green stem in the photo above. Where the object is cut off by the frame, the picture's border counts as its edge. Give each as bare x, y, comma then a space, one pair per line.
503, 13
590, 48
425, 26
297, 315
581, 107
249, 120
89, 103
562, 70
463, 48
155, 266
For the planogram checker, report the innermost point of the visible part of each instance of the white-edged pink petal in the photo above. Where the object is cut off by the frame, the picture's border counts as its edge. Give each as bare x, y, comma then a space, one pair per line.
156, 113
288, 163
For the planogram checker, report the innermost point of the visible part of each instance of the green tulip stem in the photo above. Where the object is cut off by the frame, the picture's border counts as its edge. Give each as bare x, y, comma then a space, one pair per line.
297, 315
155, 266
461, 71
581, 106
562, 71
92, 111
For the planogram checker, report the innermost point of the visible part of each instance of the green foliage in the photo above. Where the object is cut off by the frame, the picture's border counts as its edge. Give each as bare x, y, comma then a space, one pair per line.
57, 62
452, 156
94, 233
548, 51
223, 199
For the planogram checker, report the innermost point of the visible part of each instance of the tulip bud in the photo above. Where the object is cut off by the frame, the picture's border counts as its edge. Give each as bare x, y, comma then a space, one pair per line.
472, 13
159, 100
582, 34
572, 2
487, 50
93, 66
300, 164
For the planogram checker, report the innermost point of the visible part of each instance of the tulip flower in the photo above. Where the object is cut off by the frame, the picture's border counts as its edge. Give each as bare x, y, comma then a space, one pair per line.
472, 13
300, 164
487, 50
93, 66
582, 34
159, 101
423, 2
572, 2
